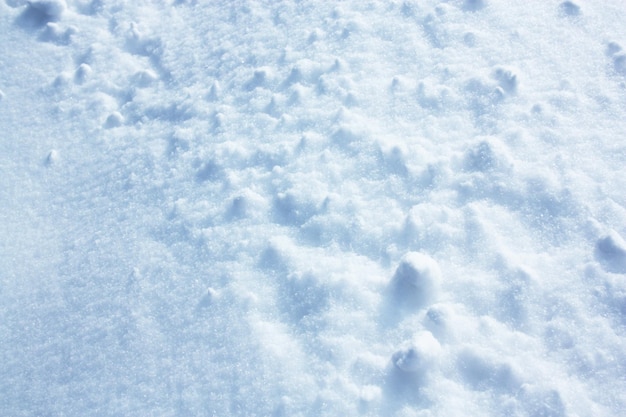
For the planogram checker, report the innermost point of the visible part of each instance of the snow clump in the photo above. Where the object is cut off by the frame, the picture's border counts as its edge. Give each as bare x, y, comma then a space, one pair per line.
416, 281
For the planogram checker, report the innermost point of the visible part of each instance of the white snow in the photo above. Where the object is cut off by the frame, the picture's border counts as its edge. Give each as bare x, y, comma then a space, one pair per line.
404, 208
415, 284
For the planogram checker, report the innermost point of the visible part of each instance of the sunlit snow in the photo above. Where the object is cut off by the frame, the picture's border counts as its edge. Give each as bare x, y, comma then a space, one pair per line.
308, 208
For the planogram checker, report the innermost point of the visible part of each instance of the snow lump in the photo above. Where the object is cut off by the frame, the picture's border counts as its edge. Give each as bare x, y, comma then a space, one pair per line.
416, 281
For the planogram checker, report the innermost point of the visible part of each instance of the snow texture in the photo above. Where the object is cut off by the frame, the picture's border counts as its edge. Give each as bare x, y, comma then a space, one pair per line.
300, 208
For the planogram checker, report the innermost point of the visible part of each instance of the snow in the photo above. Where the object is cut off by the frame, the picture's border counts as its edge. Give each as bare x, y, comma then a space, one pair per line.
309, 208
416, 282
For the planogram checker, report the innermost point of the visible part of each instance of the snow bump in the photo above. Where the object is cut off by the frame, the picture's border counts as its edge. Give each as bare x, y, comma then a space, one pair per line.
145, 78
52, 157
411, 367
54, 32
115, 119
569, 8
418, 355
82, 73
416, 281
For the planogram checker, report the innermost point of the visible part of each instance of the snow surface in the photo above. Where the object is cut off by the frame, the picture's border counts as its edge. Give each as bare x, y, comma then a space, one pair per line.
312, 208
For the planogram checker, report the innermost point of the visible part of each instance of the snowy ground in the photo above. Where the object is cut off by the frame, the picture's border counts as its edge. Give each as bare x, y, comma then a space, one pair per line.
306, 208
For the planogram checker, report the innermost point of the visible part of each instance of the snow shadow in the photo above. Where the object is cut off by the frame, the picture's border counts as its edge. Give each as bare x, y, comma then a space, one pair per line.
40, 12
410, 368
610, 252
32, 18
414, 286
402, 387
482, 372
301, 297
289, 209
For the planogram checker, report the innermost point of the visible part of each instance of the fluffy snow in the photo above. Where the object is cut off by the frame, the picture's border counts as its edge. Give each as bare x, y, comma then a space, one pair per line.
311, 208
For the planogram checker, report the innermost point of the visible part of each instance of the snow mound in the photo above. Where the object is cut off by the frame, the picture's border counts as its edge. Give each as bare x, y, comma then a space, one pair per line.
418, 355
487, 156
115, 119
411, 368
569, 8
416, 281
52, 157
54, 32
